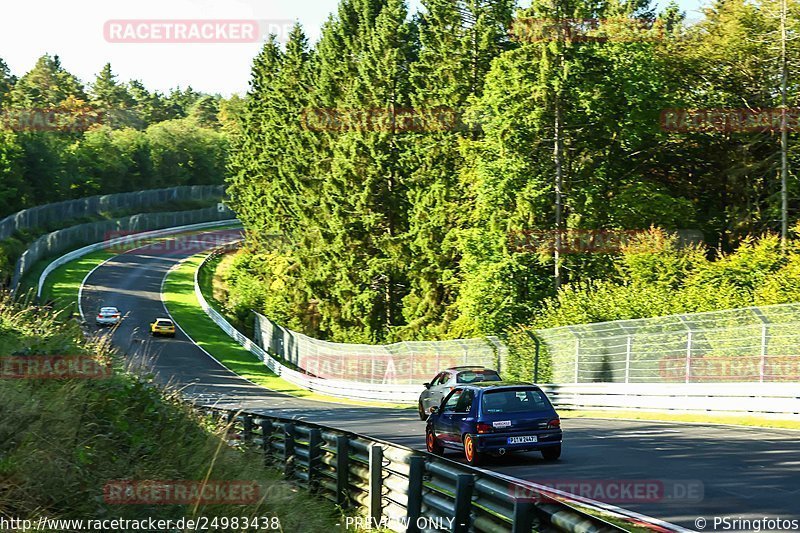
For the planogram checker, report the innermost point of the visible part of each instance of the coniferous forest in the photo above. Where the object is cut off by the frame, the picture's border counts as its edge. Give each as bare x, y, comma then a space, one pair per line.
398, 227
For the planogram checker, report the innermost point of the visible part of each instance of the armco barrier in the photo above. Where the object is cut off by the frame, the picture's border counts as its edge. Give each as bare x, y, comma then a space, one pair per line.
43, 215
76, 254
82, 234
771, 399
345, 389
404, 490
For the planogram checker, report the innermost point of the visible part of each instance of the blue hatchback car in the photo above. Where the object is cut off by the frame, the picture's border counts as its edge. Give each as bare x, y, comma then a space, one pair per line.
495, 418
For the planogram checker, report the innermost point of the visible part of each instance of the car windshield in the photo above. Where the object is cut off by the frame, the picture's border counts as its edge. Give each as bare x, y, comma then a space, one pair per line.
476, 376
514, 401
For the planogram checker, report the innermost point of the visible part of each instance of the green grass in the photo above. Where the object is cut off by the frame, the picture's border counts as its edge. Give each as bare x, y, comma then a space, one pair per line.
736, 420
183, 306
62, 284
63, 440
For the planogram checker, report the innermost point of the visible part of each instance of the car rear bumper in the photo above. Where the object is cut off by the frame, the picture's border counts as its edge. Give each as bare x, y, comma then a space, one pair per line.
494, 442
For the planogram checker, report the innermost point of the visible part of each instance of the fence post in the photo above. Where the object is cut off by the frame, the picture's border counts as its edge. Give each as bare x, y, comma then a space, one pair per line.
688, 355
342, 470
536, 344
764, 343
247, 434
464, 484
288, 449
628, 359
314, 456
266, 434
416, 472
523, 516
375, 509
577, 357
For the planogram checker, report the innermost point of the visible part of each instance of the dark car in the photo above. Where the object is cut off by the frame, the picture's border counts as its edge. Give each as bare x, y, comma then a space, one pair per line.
493, 419
447, 380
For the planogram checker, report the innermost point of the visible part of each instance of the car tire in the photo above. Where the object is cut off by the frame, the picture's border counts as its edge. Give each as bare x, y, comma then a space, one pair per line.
422, 415
432, 444
552, 453
473, 456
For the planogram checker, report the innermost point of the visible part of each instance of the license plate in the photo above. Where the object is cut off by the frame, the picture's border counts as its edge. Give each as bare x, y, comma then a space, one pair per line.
523, 440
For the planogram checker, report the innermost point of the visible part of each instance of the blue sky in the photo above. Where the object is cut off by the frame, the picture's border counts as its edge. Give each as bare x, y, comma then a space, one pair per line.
74, 31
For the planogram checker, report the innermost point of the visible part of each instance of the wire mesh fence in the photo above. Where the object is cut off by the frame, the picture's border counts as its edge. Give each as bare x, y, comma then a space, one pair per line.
51, 214
402, 363
92, 232
752, 344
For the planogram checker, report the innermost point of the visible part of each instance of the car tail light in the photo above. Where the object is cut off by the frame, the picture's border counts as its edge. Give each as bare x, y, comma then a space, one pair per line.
114, 316
555, 423
99, 316
483, 427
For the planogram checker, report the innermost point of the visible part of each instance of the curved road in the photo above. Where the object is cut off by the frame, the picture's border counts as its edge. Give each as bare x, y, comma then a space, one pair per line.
696, 470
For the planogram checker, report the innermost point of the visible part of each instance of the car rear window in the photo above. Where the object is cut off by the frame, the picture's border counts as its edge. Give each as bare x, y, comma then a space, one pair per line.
476, 376
164, 323
514, 401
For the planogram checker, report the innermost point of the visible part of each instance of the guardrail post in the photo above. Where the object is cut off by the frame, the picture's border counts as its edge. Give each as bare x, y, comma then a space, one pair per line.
464, 485
523, 516
536, 347
342, 471
247, 434
416, 472
266, 434
288, 449
314, 457
375, 483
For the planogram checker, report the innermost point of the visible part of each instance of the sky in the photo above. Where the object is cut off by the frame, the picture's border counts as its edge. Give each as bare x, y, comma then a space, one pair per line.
86, 34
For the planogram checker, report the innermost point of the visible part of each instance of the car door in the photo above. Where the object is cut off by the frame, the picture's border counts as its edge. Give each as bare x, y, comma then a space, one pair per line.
441, 388
427, 396
449, 418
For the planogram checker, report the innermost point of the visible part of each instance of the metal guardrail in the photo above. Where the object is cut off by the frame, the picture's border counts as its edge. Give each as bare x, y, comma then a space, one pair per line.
35, 217
82, 234
76, 254
725, 398
411, 491
340, 388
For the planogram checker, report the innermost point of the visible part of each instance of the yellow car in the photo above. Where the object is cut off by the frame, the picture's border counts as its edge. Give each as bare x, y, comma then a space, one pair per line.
162, 326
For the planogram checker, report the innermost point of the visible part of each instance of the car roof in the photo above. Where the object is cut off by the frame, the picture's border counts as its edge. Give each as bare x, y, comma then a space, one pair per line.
468, 367
499, 385
163, 319
109, 309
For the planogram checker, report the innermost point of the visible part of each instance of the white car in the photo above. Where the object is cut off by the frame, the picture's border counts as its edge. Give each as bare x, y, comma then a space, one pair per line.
108, 316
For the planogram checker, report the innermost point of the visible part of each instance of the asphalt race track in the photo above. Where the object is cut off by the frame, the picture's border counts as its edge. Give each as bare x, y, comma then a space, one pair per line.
696, 470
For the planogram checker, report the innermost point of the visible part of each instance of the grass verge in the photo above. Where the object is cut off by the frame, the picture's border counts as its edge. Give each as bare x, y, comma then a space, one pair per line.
731, 420
63, 441
180, 299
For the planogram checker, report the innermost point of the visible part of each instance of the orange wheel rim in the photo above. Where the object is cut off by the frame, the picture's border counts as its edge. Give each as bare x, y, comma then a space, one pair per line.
430, 442
468, 447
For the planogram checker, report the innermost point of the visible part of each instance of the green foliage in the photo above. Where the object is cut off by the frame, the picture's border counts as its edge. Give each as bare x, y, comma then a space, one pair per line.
87, 433
139, 143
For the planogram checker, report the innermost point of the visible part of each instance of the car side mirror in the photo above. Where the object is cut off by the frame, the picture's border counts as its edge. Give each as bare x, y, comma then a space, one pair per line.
427, 385
434, 409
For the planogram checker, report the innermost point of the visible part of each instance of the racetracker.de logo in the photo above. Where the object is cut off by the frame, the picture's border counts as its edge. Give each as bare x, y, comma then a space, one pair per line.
386, 120
730, 120
181, 492
614, 29
53, 367
120, 241
195, 31
53, 119
616, 491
